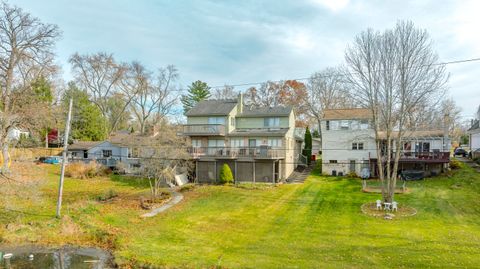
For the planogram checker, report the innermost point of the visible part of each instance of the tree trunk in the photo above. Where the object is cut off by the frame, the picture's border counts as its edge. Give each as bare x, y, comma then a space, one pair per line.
6, 158
46, 139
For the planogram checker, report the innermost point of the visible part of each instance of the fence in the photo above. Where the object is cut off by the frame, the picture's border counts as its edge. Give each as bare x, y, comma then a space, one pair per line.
33, 153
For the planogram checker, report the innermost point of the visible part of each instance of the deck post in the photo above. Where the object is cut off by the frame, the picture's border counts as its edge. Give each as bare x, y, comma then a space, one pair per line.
253, 170
215, 168
273, 172
235, 179
196, 172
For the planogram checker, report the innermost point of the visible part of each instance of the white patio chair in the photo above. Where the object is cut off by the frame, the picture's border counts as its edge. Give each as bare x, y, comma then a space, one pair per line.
394, 206
379, 205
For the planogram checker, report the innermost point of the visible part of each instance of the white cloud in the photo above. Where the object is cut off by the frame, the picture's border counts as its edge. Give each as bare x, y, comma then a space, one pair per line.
333, 5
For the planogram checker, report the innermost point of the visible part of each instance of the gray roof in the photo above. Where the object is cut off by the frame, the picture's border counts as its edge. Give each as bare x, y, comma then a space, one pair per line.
265, 111
212, 107
84, 145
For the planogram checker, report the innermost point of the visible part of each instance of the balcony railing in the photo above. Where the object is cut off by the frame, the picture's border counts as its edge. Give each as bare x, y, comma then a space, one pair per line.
204, 129
238, 152
431, 156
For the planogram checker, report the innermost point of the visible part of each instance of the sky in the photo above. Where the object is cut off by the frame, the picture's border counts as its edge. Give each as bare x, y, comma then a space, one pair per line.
236, 42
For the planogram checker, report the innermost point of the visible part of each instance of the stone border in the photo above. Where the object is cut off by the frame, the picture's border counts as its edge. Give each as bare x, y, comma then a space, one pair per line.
383, 213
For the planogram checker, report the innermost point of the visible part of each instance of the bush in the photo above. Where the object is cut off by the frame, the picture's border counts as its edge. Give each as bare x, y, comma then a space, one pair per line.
225, 175
455, 164
110, 194
352, 174
187, 187
82, 170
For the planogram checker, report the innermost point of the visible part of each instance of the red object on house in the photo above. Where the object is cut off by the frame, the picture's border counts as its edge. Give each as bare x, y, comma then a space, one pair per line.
314, 157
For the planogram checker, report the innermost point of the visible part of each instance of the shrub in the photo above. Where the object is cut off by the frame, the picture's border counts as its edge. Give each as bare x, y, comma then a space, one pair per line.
455, 164
225, 175
352, 174
82, 170
187, 187
110, 194
477, 160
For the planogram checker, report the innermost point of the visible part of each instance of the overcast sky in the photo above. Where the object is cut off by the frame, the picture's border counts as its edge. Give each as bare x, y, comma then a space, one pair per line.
234, 42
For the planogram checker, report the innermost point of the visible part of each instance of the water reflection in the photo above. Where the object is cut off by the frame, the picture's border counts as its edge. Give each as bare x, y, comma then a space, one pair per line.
55, 259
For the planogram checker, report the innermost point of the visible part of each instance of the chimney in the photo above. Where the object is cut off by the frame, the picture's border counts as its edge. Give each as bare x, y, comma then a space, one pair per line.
240, 103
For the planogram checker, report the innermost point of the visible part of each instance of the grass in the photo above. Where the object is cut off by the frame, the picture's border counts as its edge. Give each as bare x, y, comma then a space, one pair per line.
317, 224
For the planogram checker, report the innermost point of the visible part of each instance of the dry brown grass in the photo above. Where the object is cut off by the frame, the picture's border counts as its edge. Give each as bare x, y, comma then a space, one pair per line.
82, 170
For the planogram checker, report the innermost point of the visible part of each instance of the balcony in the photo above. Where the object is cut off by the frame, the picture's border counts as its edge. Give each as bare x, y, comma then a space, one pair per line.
204, 129
426, 157
235, 153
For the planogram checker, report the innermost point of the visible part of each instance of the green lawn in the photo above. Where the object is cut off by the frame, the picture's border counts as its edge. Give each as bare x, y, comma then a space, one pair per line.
317, 224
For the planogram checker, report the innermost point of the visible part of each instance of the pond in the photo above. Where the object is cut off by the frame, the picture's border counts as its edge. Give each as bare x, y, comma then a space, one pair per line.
30, 257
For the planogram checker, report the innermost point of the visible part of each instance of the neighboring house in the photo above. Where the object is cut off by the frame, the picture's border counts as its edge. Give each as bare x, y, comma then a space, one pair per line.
15, 134
258, 144
474, 135
316, 146
348, 145
104, 152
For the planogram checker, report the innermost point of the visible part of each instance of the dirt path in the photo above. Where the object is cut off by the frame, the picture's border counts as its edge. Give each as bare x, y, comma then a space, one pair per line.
176, 198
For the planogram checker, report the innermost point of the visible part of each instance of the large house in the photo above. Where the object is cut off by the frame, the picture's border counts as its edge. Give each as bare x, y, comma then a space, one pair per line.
348, 145
258, 144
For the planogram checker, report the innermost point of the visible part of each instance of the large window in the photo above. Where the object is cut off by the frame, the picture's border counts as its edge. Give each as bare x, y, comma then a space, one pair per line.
271, 122
196, 143
216, 143
275, 142
344, 124
237, 142
216, 120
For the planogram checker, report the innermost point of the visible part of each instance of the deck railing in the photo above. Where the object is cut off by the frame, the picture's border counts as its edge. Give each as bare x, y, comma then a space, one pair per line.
238, 152
204, 129
421, 156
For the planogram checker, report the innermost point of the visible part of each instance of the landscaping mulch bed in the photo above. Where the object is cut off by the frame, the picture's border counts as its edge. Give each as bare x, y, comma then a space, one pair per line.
370, 209
379, 190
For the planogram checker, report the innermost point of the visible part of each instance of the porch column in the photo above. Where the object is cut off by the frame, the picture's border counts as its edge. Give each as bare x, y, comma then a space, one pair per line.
253, 170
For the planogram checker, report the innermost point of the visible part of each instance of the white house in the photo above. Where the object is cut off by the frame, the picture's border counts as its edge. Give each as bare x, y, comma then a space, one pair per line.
348, 145
15, 134
474, 135
104, 152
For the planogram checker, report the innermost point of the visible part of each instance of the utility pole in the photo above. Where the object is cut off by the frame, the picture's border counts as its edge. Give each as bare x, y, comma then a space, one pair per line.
64, 159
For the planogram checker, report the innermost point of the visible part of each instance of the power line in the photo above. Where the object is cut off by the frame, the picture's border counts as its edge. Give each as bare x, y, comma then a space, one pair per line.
344, 74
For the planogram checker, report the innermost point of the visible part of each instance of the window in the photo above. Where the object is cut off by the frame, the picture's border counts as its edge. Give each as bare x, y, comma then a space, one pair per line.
334, 125
74, 154
333, 161
364, 124
196, 143
355, 125
216, 143
344, 124
407, 146
216, 120
107, 153
328, 125
237, 142
271, 122
275, 142
357, 146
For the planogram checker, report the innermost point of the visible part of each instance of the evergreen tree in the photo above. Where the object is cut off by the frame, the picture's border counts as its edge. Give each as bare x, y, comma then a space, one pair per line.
307, 150
87, 124
42, 90
226, 175
197, 92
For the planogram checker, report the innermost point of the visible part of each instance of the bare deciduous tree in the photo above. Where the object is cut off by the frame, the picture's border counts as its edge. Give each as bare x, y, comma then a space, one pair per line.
103, 78
25, 54
394, 74
326, 90
226, 92
153, 96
